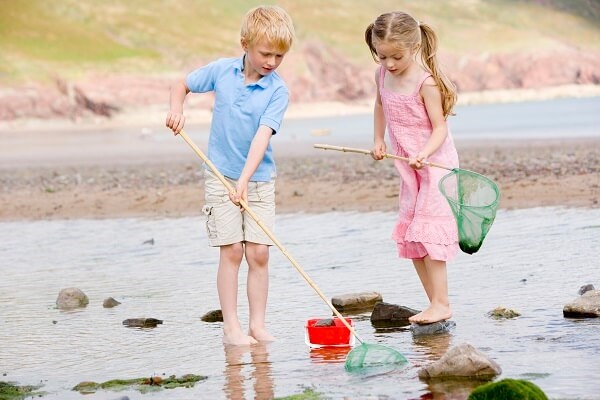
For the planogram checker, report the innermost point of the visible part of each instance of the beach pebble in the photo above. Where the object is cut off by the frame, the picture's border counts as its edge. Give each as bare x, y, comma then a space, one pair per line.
69, 298
586, 288
325, 322
110, 303
503, 313
213, 316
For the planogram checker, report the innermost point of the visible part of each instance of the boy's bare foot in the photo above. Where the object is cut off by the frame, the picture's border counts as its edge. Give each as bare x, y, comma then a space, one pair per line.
261, 335
434, 313
237, 338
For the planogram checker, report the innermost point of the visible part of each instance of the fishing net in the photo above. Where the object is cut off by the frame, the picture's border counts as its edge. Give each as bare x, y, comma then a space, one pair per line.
373, 356
473, 199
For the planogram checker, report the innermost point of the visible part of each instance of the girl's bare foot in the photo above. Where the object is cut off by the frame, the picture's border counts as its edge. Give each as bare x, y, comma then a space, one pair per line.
415, 317
237, 338
261, 335
434, 313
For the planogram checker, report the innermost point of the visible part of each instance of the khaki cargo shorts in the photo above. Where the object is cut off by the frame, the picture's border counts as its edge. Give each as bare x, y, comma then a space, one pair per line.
226, 224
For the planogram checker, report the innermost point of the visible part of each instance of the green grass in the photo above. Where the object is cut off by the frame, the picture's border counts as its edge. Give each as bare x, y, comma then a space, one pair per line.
41, 39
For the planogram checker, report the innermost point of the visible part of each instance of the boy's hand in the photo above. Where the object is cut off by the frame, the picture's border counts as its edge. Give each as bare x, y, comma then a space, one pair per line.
175, 121
418, 161
379, 150
240, 193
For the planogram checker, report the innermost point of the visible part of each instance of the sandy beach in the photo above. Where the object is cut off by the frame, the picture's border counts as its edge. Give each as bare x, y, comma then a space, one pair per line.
111, 174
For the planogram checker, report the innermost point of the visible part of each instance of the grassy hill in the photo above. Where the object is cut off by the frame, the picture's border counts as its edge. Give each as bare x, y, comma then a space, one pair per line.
42, 39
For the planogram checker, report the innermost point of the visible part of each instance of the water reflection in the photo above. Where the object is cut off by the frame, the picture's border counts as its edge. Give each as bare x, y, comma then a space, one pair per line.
236, 371
329, 355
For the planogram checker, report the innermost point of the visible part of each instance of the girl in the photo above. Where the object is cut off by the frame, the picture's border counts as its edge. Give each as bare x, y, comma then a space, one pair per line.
414, 99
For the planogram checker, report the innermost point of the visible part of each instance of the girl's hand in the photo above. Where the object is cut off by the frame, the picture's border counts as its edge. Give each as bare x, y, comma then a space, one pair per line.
379, 150
418, 161
175, 122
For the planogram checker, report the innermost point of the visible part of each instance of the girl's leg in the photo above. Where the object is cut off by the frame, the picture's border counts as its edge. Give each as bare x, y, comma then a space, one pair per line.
227, 286
424, 277
257, 256
437, 278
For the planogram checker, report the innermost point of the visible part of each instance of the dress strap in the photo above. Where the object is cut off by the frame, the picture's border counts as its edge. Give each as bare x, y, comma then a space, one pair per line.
420, 83
381, 76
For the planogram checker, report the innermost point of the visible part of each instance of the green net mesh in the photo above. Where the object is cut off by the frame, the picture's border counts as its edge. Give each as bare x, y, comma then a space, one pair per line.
474, 201
373, 356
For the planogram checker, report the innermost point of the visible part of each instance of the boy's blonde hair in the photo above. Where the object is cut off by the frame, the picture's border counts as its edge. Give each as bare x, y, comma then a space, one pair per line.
271, 23
406, 32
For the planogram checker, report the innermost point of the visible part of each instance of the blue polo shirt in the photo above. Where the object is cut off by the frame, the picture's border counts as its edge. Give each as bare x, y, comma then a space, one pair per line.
238, 111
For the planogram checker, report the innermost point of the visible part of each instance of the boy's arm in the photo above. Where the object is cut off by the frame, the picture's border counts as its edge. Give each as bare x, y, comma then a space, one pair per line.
255, 156
175, 118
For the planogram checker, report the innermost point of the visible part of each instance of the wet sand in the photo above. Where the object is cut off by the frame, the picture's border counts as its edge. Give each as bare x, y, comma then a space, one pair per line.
83, 174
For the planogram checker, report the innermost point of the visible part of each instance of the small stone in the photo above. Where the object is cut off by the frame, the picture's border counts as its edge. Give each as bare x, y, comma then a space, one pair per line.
325, 322
110, 303
213, 316
142, 322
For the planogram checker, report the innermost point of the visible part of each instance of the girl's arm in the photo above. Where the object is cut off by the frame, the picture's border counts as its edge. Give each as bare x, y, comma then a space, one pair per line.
175, 119
432, 98
379, 147
255, 156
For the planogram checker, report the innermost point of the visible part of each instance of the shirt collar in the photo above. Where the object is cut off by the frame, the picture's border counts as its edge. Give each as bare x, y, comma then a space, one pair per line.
262, 82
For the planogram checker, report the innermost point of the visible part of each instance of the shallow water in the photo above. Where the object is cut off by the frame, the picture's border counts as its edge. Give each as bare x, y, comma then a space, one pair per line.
533, 261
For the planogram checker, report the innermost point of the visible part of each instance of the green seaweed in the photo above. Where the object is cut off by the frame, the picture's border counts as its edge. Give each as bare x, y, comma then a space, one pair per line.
11, 391
143, 385
307, 394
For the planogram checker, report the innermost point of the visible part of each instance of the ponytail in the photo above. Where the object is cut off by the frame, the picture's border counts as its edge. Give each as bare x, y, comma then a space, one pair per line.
429, 43
369, 40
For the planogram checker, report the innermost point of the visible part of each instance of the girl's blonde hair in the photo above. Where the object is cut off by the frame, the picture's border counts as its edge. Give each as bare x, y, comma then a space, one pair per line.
271, 23
407, 33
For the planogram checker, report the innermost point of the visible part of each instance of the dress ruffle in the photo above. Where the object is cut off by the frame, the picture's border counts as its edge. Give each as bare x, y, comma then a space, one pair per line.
418, 238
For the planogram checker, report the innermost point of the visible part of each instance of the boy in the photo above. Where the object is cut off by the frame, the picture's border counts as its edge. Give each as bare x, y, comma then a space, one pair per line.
250, 101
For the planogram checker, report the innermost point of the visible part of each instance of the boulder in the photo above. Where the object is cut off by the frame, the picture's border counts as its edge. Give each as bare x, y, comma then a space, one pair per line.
462, 361
364, 301
435, 328
586, 306
70, 298
386, 315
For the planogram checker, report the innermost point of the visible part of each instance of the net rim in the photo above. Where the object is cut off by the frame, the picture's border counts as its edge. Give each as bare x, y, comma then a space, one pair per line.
483, 177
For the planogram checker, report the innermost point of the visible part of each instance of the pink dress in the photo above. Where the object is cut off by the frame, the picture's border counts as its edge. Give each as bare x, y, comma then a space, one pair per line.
426, 225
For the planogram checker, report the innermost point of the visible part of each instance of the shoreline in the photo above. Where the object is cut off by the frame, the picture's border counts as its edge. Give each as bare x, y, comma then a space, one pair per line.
529, 174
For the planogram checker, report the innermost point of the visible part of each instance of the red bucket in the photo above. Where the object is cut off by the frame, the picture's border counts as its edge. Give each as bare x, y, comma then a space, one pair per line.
337, 335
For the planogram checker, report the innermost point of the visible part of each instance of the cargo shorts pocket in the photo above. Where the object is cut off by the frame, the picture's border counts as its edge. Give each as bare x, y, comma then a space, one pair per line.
211, 224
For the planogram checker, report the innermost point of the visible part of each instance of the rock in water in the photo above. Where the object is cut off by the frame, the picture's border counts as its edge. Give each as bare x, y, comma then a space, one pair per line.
71, 298
142, 322
432, 329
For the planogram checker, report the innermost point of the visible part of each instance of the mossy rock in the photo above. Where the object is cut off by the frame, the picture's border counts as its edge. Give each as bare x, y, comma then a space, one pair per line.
10, 391
508, 389
307, 394
143, 385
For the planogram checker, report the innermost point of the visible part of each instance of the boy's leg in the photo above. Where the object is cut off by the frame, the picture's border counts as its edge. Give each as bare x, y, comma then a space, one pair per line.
439, 309
257, 256
227, 285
